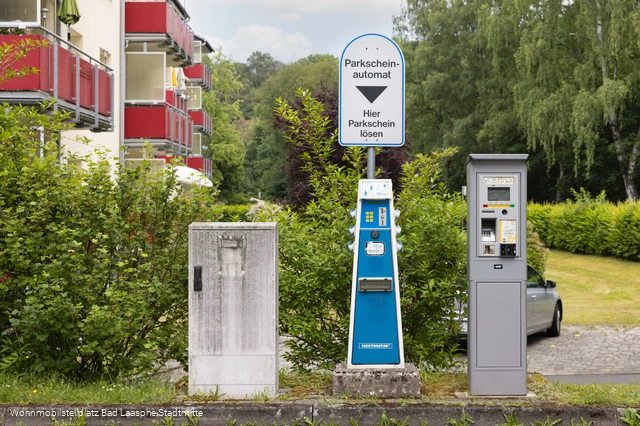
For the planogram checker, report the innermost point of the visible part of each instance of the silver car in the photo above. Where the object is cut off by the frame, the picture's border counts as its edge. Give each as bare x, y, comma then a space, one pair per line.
544, 307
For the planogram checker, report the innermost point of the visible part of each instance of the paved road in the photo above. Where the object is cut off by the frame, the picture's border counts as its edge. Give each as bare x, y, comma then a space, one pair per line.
587, 354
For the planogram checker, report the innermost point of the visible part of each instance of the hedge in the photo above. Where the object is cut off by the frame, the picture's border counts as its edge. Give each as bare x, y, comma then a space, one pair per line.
233, 213
589, 226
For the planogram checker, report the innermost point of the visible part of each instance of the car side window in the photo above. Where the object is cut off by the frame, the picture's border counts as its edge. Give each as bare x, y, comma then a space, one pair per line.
534, 280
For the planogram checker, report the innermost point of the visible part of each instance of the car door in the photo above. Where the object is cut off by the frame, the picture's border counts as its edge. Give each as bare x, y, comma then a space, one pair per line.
545, 305
535, 293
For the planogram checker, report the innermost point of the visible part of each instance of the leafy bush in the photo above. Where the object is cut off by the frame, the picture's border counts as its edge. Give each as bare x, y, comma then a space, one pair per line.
316, 266
93, 261
624, 238
589, 225
433, 261
233, 213
537, 252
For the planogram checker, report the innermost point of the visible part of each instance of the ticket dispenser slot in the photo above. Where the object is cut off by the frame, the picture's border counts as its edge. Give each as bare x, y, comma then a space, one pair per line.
375, 329
488, 238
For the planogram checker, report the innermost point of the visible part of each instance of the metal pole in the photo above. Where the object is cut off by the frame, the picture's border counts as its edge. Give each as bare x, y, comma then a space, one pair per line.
122, 86
371, 163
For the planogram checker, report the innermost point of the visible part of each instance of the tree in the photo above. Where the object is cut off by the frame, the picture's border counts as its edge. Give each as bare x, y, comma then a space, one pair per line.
10, 54
310, 73
316, 264
499, 76
267, 153
225, 147
81, 248
252, 74
389, 161
264, 164
580, 79
457, 91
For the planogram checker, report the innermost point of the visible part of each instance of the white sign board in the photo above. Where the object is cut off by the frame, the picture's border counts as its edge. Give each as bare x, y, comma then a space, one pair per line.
371, 93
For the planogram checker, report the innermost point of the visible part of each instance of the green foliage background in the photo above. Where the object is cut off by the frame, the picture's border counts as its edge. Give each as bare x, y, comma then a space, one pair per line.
589, 225
93, 261
316, 265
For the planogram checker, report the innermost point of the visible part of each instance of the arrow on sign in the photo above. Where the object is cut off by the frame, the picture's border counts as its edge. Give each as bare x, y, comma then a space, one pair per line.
371, 92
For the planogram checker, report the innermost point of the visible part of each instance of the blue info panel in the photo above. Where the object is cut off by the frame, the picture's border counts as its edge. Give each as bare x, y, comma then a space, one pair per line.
375, 328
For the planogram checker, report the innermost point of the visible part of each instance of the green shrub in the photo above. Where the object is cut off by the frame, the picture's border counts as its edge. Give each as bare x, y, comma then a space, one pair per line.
316, 265
589, 225
538, 216
624, 238
537, 252
93, 261
232, 213
432, 264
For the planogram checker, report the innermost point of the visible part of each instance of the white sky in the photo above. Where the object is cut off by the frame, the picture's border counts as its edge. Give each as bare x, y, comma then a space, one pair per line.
288, 29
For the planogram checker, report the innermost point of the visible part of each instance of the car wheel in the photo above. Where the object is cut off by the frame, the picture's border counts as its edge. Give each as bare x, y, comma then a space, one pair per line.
554, 331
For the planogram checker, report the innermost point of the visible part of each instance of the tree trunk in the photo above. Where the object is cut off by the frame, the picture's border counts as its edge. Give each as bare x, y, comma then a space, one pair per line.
558, 184
627, 166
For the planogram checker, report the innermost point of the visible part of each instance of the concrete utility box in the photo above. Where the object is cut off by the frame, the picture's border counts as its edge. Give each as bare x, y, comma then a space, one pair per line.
233, 309
497, 268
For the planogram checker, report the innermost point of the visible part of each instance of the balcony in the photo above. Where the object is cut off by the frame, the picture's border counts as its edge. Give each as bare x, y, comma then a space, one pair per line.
201, 121
177, 100
164, 127
81, 85
160, 22
199, 74
202, 164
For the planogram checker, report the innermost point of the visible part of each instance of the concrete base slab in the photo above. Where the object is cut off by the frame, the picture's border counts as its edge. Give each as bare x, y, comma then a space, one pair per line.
385, 383
465, 395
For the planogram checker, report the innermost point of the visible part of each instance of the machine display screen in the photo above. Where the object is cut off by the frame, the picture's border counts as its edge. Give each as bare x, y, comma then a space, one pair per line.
498, 194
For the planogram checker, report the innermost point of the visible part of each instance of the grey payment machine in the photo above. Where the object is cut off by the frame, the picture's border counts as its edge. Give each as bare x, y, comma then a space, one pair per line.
497, 268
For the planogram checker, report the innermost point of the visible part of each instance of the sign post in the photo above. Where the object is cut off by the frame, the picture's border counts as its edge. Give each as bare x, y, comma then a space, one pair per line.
372, 115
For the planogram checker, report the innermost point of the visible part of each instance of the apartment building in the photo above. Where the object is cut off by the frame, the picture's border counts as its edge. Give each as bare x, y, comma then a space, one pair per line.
129, 72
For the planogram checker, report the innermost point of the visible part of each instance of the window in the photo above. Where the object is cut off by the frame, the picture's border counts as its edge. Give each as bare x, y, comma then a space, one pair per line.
145, 77
197, 52
194, 95
534, 280
197, 144
16, 12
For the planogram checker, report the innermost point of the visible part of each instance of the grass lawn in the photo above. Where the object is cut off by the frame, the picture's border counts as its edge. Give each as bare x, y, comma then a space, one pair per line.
52, 389
596, 290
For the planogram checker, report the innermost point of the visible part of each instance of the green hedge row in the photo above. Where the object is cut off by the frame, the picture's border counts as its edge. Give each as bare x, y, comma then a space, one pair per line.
233, 213
589, 226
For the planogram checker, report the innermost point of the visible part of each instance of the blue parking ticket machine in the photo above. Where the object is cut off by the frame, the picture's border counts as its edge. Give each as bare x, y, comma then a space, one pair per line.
375, 329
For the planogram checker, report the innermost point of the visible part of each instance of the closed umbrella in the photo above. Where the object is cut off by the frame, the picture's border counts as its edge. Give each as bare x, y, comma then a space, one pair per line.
69, 14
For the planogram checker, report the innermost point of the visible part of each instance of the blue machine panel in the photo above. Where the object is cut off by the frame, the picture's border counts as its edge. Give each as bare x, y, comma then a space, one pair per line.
375, 323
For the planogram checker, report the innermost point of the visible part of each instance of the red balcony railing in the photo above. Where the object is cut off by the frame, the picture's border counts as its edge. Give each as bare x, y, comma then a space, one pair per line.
174, 99
163, 126
200, 74
202, 164
80, 84
148, 21
201, 121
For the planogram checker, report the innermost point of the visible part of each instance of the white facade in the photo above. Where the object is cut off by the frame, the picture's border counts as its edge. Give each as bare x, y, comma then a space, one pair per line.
99, 34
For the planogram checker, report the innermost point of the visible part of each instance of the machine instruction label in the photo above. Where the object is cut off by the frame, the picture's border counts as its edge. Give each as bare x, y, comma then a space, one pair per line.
508, 231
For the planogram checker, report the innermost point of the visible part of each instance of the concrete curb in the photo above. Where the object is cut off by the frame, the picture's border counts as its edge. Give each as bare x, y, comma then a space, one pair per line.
238, 413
